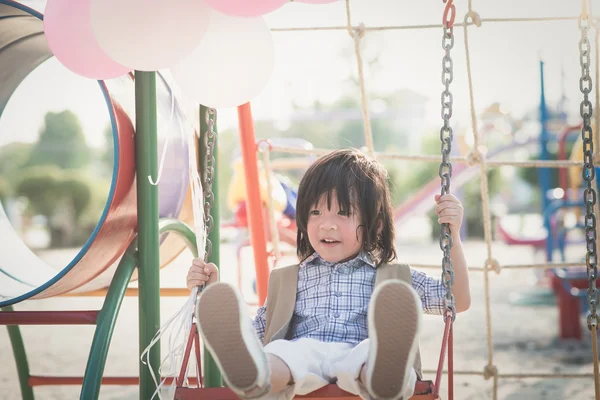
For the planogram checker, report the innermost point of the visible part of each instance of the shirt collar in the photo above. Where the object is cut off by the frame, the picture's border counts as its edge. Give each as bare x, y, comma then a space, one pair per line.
362, 257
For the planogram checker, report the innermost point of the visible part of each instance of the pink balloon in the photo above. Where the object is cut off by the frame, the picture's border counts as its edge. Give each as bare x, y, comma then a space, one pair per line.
245, 8
316, 1
70, 37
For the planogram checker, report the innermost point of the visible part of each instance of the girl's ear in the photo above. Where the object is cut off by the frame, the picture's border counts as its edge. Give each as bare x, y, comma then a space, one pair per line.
379, 225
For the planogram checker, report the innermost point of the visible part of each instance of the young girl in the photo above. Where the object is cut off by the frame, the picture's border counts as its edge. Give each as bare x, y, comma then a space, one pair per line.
344, 314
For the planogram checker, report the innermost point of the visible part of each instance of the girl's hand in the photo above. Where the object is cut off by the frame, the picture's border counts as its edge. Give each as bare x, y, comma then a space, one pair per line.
201, 273
449, 211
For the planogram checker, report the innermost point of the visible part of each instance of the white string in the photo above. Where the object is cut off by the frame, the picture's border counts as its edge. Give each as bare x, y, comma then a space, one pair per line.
167, 138
197, 195
179, 326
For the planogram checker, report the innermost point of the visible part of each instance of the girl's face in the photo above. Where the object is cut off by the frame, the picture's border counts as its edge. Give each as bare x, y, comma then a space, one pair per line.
334, 233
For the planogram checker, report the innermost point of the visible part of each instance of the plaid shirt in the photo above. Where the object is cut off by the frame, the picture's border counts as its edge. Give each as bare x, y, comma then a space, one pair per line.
332, 299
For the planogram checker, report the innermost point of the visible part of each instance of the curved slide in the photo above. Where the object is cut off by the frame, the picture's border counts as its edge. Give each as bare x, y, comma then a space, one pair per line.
23, 275
419, 203
422, 201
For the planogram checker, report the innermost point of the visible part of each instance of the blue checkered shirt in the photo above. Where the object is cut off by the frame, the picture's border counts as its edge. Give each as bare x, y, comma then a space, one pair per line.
332, 299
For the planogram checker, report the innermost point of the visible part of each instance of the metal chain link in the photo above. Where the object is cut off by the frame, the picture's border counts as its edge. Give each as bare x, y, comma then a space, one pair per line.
588, 173
210, 140
445, 171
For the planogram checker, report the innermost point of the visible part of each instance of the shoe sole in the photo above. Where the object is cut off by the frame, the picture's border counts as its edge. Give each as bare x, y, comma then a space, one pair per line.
394, 314
219, 317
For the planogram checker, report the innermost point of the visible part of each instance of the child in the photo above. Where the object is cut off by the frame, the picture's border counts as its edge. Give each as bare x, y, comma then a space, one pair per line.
344, 314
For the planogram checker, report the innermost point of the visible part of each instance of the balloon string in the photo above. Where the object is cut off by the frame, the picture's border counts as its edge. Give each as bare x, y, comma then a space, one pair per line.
168, 137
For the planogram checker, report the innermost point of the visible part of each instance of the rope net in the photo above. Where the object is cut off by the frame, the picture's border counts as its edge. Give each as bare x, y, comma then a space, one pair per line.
471, 20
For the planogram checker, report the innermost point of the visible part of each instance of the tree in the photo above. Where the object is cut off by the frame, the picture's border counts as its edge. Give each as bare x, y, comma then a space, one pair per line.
532, 175
61, 143
38, 186
13, 157
4, 190
61, 196
107, 157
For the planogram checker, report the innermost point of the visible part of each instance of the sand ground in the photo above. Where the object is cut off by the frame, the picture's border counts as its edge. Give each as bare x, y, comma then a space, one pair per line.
524, 338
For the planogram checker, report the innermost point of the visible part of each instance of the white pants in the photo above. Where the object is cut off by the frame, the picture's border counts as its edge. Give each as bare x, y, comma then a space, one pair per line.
315, 364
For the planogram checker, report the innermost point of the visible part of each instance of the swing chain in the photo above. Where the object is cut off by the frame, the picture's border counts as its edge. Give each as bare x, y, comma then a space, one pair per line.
588, 173
445, 171
210, 139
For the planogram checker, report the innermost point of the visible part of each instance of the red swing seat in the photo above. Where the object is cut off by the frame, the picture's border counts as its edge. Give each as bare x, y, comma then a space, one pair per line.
424, 390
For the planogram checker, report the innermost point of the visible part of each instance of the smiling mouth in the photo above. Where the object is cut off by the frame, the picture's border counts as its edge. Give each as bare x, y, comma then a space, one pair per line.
329, 241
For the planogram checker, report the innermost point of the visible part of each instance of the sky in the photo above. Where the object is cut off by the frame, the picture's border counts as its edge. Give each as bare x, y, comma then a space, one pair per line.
310, 66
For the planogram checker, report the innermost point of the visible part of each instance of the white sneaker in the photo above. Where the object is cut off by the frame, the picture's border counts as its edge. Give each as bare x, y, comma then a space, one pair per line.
230, 337
395, 315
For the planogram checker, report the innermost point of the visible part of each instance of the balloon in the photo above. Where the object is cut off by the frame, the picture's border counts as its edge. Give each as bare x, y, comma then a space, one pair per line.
149, 35
232, 64
316, 1
246, 8
70, 37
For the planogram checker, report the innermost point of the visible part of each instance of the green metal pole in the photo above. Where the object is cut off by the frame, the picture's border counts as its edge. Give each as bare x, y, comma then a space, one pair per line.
212, 375
107, 317
105, 325
18, 347
146, 156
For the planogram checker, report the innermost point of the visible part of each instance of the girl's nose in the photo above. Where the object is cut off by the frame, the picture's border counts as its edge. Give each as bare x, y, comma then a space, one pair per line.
328, 226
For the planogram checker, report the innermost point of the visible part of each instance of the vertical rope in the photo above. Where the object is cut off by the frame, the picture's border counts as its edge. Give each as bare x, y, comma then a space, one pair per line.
357, 35
588, 172
485, 205
596, 130
594, 332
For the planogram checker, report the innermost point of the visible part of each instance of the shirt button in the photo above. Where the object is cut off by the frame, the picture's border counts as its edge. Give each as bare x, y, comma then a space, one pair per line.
338, 294
336, 315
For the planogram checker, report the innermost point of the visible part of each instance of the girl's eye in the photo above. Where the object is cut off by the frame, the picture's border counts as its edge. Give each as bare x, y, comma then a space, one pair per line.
344, 213
315, 212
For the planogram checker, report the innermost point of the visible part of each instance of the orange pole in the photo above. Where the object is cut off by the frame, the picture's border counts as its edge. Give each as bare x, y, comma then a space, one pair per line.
253, 201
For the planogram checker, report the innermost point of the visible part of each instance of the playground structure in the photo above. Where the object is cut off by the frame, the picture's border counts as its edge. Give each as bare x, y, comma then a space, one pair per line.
111, 253
281, 215
144, 250
566, 284
92, 268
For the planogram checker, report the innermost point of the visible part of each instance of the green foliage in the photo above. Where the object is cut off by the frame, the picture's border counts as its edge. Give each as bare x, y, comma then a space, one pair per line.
90, 216
41, 186
61, 142
531, 175
13, 158
470, 196
54, 174
228, 141
60, 195
107, 156
75, 186
469, 193
472, 202
5, 190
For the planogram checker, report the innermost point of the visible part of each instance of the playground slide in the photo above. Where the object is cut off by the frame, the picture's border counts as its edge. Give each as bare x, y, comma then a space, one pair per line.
22, 274
422, 201
572, 190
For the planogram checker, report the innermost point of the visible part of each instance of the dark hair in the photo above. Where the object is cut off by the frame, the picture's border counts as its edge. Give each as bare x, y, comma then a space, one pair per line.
361, 185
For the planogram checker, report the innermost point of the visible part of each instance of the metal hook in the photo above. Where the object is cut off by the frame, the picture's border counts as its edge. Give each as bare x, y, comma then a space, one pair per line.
450, 7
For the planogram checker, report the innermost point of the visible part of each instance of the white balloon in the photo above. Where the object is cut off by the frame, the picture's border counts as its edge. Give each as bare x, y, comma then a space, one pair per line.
149, 35
231, 65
